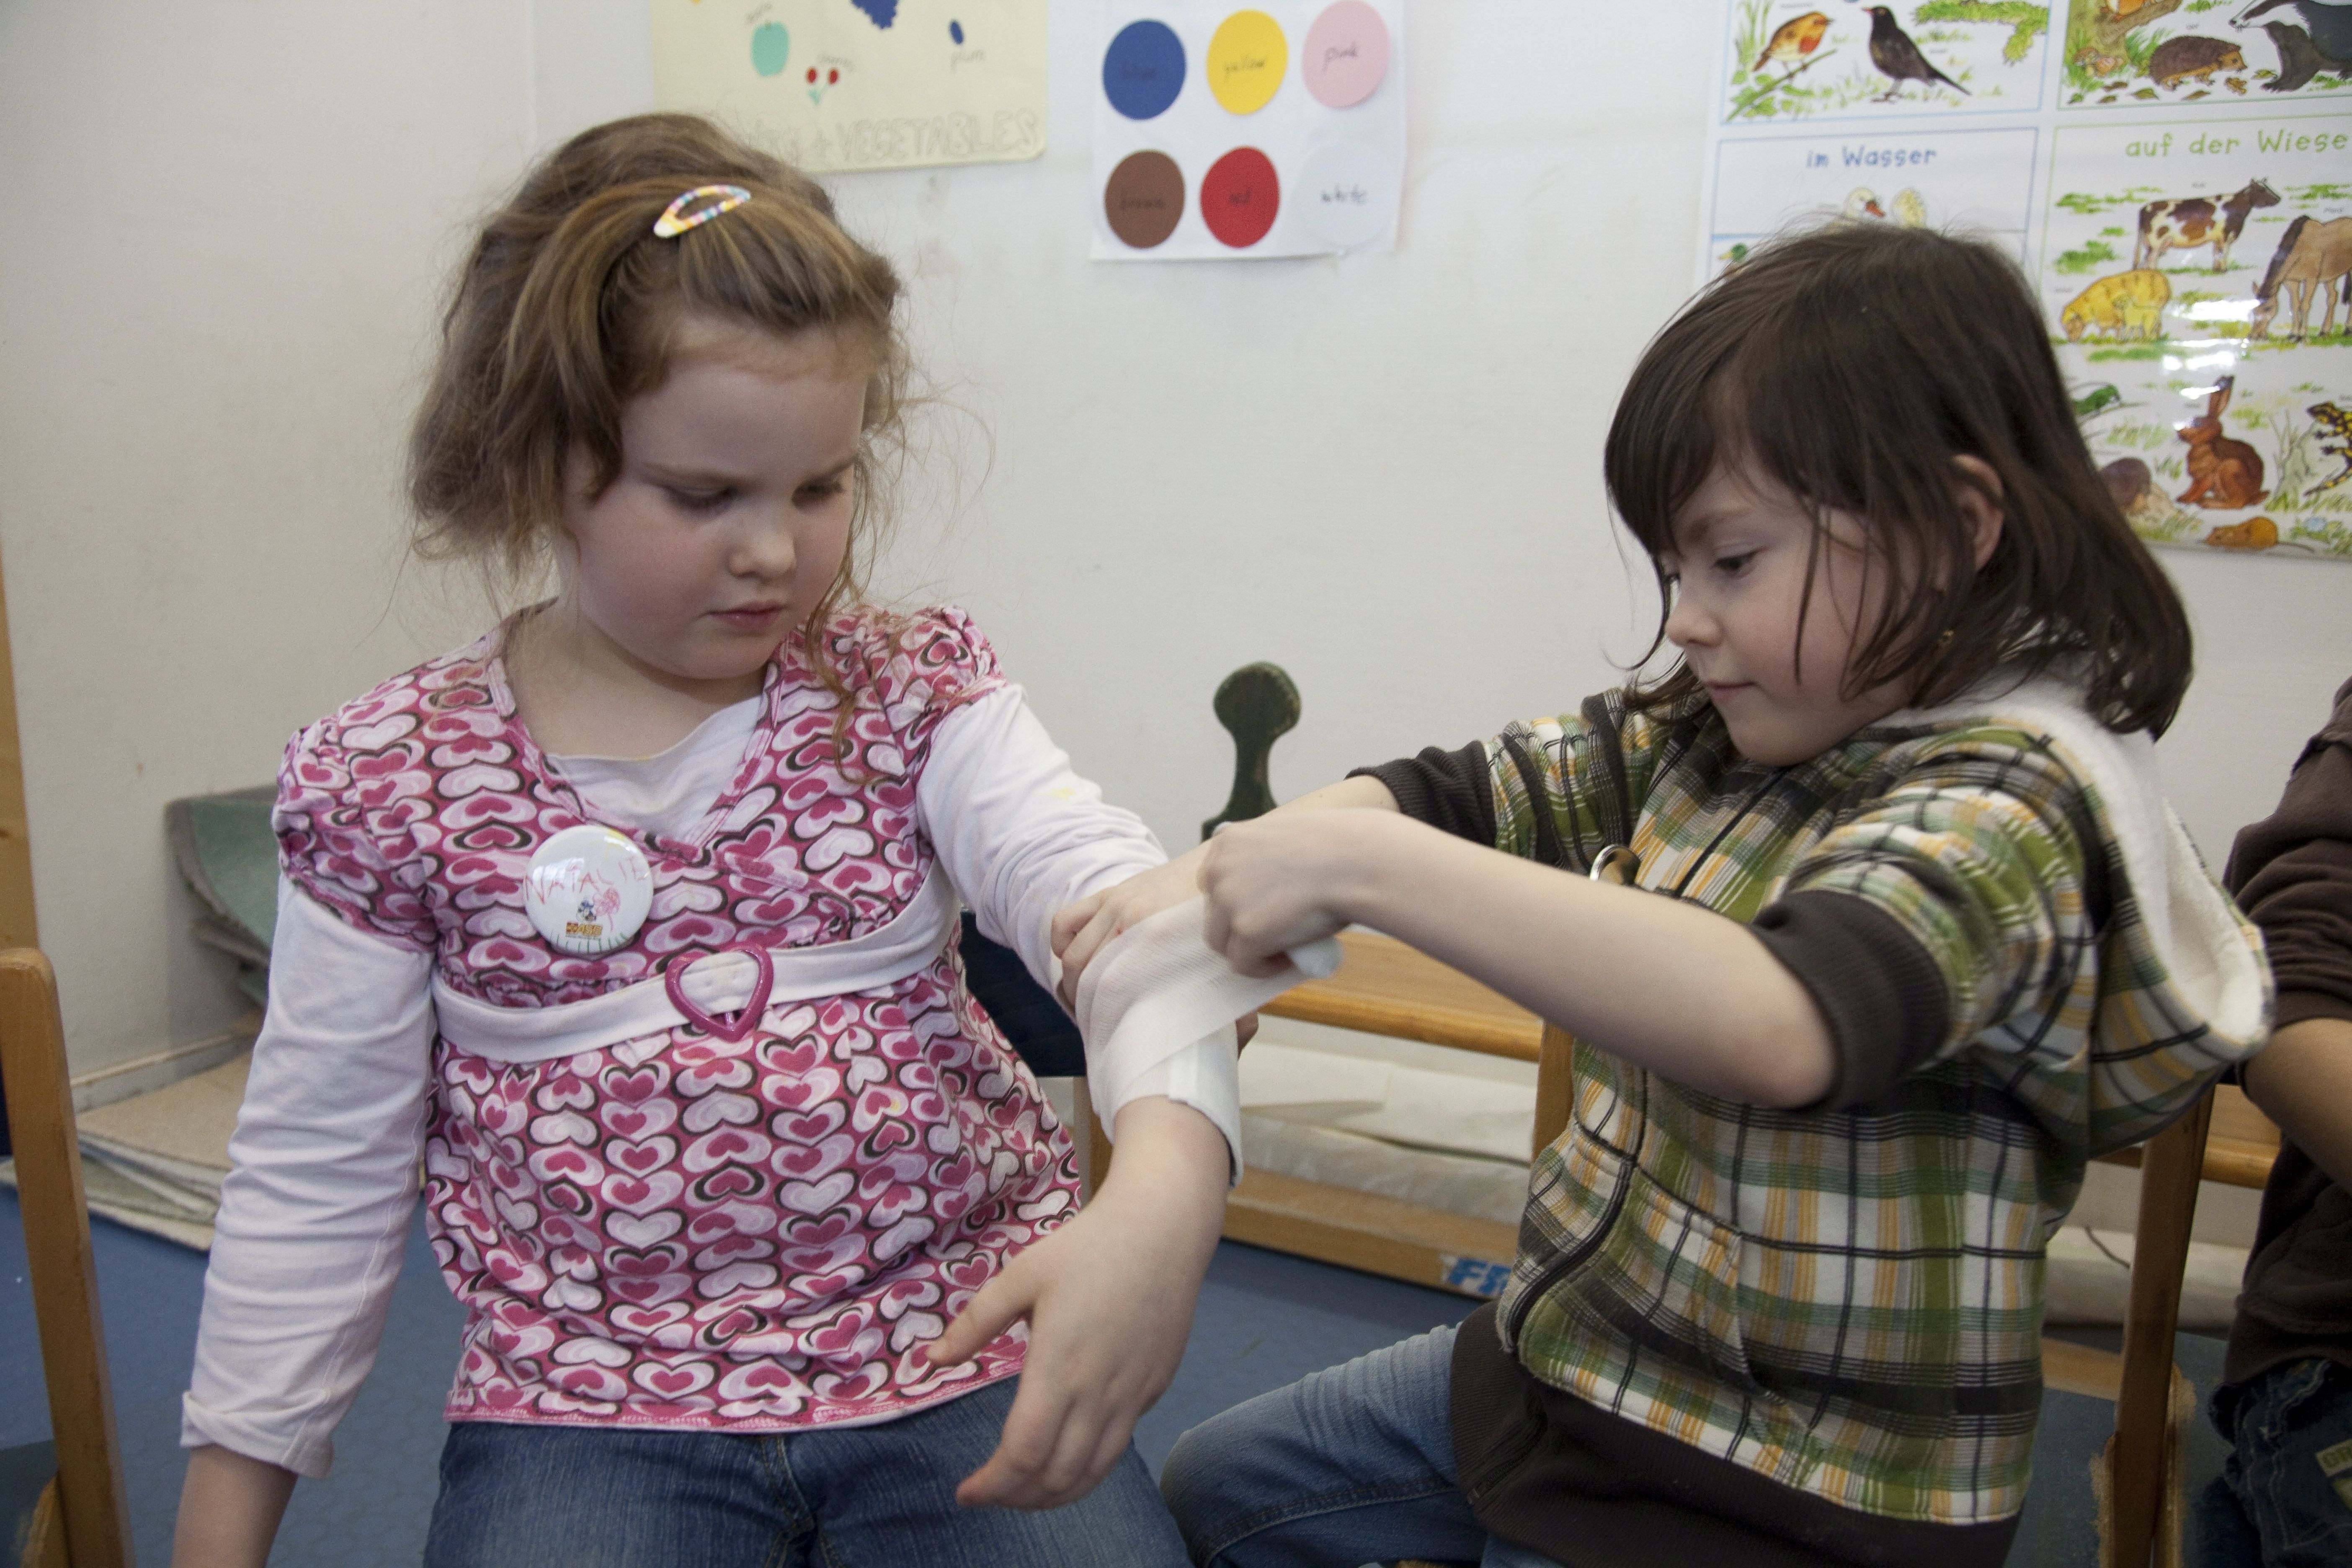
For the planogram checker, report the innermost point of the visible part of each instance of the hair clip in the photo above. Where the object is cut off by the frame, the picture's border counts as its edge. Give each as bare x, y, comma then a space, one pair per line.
675, 219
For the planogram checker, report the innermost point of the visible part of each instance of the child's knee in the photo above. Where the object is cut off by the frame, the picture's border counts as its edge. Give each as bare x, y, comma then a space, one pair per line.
1191, 1481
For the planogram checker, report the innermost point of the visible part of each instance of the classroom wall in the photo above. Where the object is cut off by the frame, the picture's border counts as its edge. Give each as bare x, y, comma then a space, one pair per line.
1382, 472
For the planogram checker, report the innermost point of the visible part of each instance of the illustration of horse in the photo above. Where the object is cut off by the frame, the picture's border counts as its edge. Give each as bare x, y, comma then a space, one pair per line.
2311, 256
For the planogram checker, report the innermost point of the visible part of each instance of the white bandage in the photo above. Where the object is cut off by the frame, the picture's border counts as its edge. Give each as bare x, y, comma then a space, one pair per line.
1157, 987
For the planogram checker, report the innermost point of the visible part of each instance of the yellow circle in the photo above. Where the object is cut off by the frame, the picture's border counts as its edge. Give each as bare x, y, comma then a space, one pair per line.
1246, 58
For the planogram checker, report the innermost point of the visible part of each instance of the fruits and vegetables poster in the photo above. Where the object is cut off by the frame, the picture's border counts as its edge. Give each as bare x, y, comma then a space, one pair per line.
836, 85
1228, 132
2174, 176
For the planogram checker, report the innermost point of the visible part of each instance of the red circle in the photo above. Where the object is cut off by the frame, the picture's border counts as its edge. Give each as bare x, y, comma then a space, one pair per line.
831, 76
812, 76
1239, 197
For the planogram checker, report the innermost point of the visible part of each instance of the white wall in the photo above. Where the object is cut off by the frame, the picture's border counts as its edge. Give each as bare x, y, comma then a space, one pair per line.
1381, 472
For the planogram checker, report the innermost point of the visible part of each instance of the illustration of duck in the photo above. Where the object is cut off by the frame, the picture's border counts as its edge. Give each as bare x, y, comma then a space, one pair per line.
1794, 40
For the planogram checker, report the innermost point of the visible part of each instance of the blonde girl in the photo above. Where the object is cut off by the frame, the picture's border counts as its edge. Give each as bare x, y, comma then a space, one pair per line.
630, 924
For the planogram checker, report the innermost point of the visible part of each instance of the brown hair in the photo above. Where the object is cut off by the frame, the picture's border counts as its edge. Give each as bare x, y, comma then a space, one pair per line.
1851, 364
567, 308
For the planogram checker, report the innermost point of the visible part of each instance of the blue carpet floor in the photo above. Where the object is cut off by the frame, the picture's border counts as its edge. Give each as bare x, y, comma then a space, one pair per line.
1265, 1318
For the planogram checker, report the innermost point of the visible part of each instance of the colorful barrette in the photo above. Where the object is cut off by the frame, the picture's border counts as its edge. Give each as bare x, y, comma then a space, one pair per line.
675, 219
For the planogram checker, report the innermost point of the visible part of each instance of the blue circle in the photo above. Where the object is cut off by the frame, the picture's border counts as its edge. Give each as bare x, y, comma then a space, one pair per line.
955, 31
1143, 70
772, 45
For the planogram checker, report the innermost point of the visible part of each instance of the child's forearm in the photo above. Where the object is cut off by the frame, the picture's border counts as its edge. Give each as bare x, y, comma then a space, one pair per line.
1109, 1303
1172, 1159
229, 1510
2303, 1081
1677, 988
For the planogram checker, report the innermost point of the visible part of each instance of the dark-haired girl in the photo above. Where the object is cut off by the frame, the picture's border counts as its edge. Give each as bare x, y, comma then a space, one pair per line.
1910, 936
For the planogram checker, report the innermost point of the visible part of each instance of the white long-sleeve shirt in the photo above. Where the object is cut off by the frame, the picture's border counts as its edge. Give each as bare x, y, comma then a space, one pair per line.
315, 1212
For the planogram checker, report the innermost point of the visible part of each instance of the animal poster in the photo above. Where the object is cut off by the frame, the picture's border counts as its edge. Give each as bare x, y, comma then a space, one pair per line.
2127, 54
1943, 57
836, 85
1226, 132
2174, 176
1979, 179
2194, 271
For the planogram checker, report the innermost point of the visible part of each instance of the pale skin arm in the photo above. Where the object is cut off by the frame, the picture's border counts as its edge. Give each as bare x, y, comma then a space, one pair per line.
1671, 986
229, 1510
2303, 1081
1109, 1298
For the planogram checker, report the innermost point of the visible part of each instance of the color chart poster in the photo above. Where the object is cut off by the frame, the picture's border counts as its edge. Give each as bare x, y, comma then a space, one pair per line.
2176, 179
836, 85
1225, 132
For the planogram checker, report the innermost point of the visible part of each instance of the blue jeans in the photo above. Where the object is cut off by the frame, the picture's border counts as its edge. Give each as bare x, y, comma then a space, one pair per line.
2296, 1503
863, 1496
1345, 1466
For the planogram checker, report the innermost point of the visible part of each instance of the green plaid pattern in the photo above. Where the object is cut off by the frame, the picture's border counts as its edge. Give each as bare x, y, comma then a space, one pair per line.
1849, 1301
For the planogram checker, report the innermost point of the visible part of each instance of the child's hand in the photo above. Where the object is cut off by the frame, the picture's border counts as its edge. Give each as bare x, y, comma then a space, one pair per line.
1081, 930
1109, 1303
1289, 878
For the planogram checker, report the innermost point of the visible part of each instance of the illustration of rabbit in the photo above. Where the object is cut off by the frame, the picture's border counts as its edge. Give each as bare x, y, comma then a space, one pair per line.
2224, 474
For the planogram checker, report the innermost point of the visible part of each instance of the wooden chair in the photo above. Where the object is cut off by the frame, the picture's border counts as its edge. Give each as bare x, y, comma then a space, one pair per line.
2224, 1138
82, 1517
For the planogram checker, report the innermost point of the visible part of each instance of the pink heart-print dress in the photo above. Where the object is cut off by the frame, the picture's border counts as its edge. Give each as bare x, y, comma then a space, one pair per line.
685, 1231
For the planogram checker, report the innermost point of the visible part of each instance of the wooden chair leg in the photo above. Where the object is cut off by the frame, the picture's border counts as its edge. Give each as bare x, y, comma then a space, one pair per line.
1097, 1145
2138, 1469
89, 1489
1554, 1088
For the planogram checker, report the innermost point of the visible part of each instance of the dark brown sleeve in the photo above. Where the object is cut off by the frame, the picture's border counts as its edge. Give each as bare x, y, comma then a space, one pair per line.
1880, 993
1451, 789
2292, 873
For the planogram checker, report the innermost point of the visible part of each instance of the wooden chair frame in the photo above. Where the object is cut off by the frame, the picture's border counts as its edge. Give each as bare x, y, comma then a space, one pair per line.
82, 1521
2222, 1137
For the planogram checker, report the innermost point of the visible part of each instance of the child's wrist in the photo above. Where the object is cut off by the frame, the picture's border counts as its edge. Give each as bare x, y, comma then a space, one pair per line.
1381, 878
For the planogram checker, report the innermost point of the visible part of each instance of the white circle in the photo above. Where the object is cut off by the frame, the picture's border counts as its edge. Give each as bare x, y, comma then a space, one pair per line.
1346, 195
588, 891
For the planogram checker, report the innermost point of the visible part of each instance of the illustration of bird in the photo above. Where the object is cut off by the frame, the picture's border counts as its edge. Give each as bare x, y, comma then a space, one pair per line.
1910, 208
1898, 58
1794, 40
1861, 202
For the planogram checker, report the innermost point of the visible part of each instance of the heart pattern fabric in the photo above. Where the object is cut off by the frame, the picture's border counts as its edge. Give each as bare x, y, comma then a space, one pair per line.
689, 1230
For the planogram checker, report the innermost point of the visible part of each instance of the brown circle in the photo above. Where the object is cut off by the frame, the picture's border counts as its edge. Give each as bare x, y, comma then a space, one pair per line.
1144, 199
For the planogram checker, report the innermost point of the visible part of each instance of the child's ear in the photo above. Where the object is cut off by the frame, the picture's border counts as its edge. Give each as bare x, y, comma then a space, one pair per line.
1978, 495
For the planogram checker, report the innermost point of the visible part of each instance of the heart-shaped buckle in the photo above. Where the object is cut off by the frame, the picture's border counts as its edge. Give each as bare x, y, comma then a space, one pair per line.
754, 1009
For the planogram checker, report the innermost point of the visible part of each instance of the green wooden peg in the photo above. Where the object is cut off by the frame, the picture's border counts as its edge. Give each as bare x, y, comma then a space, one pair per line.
1257, 705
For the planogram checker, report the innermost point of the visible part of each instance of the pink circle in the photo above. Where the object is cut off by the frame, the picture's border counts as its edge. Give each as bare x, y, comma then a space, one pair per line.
1346, 54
